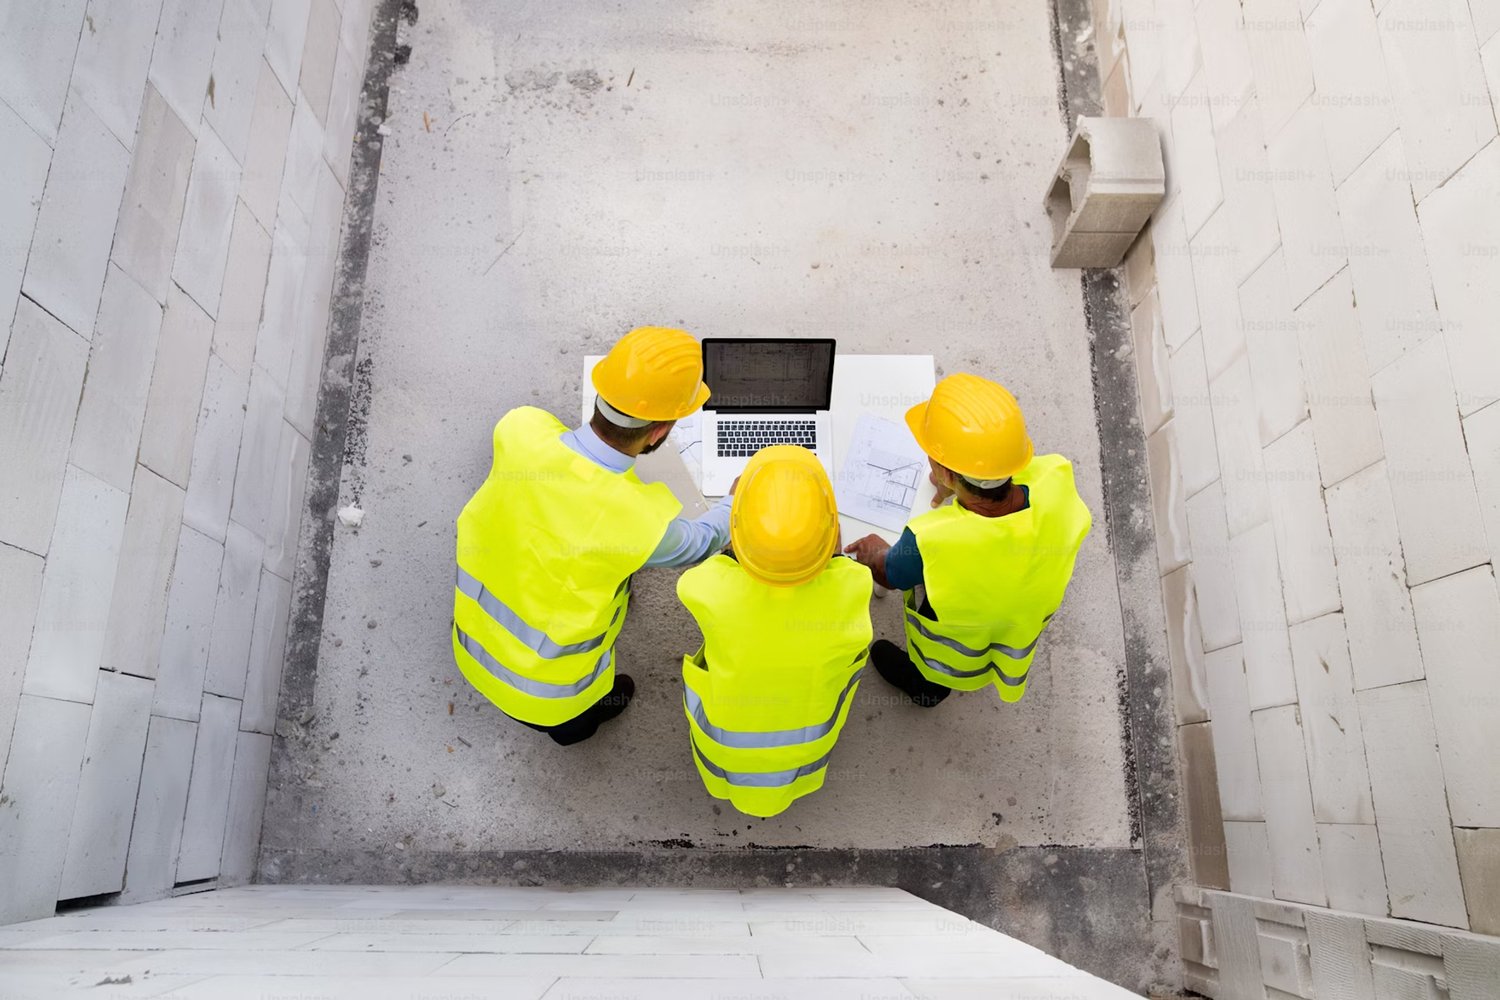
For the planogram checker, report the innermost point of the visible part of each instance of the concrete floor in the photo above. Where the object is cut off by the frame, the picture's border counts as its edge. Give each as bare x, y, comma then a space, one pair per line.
420, 943
558, 173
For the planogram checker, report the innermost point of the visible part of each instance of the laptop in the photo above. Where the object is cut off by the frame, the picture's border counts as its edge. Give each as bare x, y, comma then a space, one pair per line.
765, 391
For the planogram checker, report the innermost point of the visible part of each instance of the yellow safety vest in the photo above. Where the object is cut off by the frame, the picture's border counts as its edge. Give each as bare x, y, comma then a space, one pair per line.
768, 691
995, 582
545, 553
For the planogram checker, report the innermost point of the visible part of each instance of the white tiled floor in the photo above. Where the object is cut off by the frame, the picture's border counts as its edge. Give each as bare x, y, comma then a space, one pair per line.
414, 941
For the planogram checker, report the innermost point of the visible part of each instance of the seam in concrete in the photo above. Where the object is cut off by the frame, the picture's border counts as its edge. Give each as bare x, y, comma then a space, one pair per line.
330, 433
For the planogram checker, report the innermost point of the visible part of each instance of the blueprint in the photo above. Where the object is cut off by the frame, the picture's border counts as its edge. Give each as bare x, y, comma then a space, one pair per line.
882, 472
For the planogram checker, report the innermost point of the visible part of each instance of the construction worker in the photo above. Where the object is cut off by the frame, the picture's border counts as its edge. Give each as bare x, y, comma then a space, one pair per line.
994, 564
786, 632
547, 546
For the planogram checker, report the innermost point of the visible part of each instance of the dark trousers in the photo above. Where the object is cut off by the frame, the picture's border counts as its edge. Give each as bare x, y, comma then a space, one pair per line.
894, 664
583, 725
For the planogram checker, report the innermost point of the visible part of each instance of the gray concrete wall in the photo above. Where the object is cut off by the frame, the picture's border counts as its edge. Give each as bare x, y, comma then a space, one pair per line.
174, 176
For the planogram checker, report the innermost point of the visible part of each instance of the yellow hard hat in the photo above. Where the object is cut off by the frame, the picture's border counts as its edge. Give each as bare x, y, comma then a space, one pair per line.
653, 373
972, 426
783, 523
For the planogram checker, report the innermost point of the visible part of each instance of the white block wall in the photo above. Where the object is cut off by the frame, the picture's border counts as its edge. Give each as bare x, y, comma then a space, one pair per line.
174, 177
1316, 311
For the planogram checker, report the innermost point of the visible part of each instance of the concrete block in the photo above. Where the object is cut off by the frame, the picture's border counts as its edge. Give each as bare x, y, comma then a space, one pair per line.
1340, 956
99, 836
1482, 434
176, 388
114, 53
138, 607
1471, 967
265, 157
157, 833
39, 789
24, 158
1241, 465
1213, 570
1411, 809
20, 590
208, 792
1284, 960
1271, 340
39, 391
189, 626
1185, 647
1312, 239
247, 803
354, 28
1107, 185
183, 58
155, 193
236, 73
304, 157
1459, 223
37, 45
267, 654
107, 434
258, 451
1279, 59
1479, 864
287, 499
1206, 851
1192, 409
319, 52
1227, 71
1174, 276
1214, 255
1386, 259
1296, 866
1167, 499
285, 280
68, 642
1194, 156
1304, 545
1354, 97
244, 290
1436, 80
343, 107
1377, 608
1151, 359
1249, 199
285, 38
1458, 626
203, 246
1268, 658
1432, 486
1338, 390
216, 449
1140, 270
1239, 955
1330, 722
234, 614
76, 225
1352, 870
1234, 738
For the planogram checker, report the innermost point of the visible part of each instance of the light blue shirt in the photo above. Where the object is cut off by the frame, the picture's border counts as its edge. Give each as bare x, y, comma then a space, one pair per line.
686, 542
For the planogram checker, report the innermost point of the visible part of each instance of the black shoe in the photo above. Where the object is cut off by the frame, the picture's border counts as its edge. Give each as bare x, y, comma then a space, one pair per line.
897, 670
618, 698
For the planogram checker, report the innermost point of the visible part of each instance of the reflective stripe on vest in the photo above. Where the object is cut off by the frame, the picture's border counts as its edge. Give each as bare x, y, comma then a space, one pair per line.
533, 638
762, 740
944, 668
958, 647
762, 779
535, 688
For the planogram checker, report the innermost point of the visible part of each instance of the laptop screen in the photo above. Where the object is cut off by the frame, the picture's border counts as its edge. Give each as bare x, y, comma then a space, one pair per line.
768, 376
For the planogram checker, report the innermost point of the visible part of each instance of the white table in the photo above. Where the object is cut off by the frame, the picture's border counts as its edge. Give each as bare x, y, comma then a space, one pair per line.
886, 385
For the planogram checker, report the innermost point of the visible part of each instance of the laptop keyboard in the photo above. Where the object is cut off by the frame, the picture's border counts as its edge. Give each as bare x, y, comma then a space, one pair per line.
742, 438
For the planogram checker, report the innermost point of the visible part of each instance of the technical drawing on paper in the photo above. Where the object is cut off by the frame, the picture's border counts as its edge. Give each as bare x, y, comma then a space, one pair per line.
881, 474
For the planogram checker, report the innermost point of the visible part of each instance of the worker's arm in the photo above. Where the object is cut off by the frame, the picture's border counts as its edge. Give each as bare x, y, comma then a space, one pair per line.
691, 541
896, 567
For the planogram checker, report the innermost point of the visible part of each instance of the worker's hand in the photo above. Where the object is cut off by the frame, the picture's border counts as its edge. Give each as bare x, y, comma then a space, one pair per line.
943, 492
868, 549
